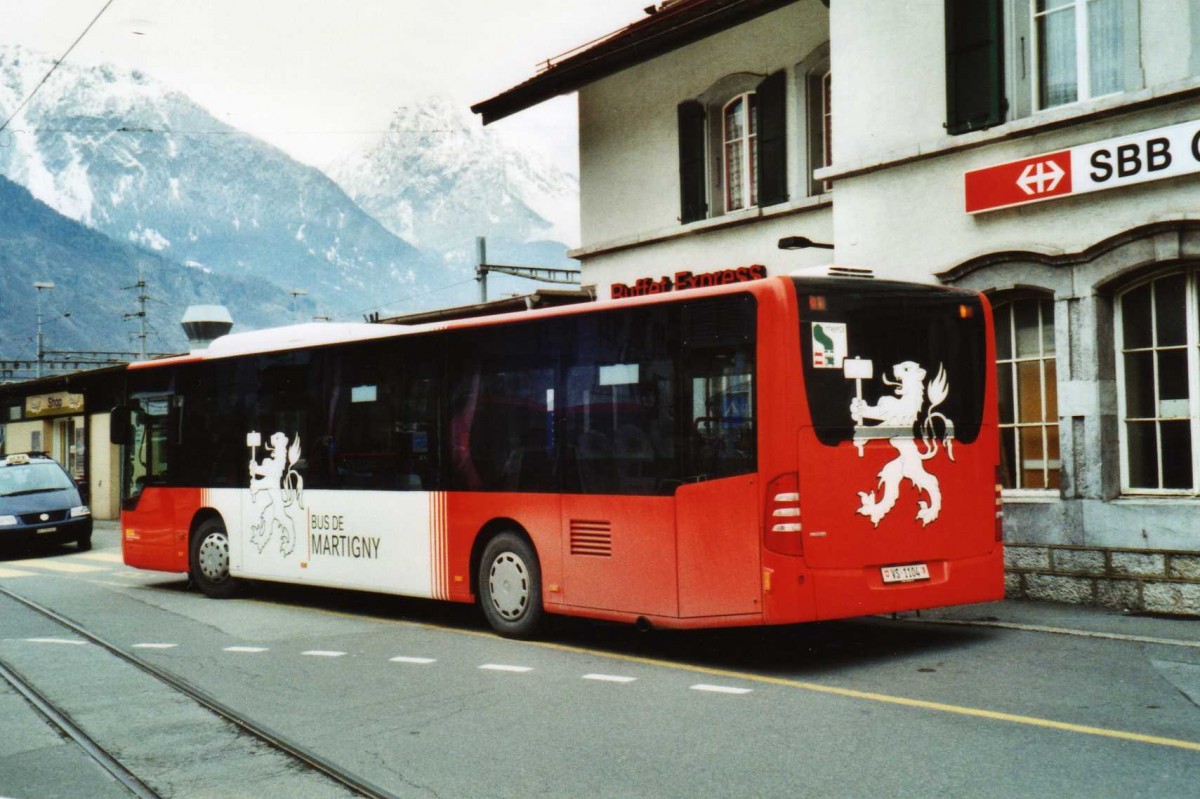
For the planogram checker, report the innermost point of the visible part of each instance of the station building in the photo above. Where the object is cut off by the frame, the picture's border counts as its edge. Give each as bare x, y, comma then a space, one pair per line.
67, 417
1046, 152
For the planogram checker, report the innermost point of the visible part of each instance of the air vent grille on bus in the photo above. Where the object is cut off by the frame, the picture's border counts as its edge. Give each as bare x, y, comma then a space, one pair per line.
590, 537
719, 320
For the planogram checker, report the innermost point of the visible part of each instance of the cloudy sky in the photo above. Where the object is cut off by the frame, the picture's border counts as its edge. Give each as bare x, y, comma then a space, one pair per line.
317, 77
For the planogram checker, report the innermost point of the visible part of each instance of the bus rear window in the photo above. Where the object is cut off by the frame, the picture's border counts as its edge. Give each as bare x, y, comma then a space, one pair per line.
877, 339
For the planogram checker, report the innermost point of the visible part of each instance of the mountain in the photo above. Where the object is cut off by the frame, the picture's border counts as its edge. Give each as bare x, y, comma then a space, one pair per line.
123, 154
89, 271
438, 178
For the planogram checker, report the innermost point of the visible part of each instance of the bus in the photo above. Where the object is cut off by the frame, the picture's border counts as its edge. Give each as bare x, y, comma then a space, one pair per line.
781, 450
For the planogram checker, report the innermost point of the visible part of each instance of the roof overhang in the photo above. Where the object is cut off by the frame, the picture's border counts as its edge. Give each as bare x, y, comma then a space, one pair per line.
671, 27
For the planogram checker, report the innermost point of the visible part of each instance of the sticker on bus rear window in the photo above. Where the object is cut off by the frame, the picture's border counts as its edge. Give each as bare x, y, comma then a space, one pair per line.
828, 344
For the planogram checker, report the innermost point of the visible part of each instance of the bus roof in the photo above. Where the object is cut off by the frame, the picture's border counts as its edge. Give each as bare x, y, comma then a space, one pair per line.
316, 334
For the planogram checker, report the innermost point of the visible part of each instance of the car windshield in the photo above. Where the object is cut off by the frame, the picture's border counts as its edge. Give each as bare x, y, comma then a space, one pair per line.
32, 478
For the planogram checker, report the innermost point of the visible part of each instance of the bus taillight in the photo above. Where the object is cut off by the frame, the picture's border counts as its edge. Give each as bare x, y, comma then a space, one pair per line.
999, 507
783, 528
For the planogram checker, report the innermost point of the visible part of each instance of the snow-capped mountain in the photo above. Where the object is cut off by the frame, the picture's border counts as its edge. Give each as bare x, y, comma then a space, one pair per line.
438, 178
142, 163
88, 307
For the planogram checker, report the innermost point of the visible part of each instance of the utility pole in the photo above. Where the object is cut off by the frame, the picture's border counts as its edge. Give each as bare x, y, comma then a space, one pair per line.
543, 273
296, 295
41, 349
141, 313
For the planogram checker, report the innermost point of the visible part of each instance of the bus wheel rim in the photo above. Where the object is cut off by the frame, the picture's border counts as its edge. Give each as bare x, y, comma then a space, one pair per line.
214, 557
508, 584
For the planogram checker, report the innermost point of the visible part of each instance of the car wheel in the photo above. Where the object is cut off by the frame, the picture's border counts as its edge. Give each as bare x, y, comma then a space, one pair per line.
208, 560
510, 586
84, 543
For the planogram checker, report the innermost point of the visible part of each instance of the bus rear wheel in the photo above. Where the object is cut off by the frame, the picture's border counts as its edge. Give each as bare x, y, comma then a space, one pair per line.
208, 561
510, 587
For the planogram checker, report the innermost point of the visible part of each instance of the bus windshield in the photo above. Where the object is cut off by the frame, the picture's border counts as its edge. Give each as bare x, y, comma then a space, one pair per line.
898, 333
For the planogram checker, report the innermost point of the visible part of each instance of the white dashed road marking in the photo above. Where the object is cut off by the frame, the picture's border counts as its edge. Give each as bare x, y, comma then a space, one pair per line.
71, 641
250, 649
107, 557
414, 661
721, 689
609, 678
502, 667
322, 653
66, 567
155, 646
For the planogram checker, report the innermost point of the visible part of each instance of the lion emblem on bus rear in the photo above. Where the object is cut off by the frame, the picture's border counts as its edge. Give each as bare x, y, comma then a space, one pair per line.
913, 427
284, 487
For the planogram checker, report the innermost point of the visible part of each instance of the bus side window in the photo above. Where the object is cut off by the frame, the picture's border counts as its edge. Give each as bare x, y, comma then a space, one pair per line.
721, 404
416, 429
502, 411
718, 388
620, 422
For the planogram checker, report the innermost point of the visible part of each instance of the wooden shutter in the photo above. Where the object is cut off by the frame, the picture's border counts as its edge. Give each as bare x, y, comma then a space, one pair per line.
772, 140
974, 65
693, 197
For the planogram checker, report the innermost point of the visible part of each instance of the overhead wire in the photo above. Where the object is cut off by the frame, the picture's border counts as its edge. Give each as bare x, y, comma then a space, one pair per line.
416, 296
55, 66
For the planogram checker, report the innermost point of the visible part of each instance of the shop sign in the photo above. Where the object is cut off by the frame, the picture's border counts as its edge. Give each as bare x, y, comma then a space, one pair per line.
645, 286
60, 403
1123, 161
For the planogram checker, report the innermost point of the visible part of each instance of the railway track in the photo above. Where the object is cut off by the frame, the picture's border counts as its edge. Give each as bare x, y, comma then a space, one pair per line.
62, 720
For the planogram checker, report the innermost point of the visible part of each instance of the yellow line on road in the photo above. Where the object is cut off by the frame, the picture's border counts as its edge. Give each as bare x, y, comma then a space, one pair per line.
4, 573
849, 693
941, 707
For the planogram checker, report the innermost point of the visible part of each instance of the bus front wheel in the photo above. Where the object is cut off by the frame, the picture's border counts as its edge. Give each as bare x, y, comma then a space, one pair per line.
510, 586
208, 561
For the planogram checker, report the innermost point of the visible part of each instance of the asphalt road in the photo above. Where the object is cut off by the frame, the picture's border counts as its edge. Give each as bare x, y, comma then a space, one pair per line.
1010, 699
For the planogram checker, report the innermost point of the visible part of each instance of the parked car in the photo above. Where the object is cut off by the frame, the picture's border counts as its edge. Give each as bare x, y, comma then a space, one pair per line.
39, 501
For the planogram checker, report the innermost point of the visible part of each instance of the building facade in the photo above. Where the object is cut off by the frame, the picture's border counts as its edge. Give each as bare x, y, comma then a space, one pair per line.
67, 417
1045, 152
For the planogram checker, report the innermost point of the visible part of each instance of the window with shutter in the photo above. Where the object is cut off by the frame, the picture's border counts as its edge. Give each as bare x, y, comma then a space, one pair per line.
693, 200
974, 65
772, 140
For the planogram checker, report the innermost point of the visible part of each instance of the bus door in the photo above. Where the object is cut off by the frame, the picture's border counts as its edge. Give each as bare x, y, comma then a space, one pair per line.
618, 522
716, 507
149, 444
620, 384
896, 465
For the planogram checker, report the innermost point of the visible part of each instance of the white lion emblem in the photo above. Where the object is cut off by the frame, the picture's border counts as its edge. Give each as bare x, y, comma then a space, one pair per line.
897, 416
284, 487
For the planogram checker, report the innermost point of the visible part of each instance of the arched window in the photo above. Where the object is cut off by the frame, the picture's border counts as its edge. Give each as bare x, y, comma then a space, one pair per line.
733, 145
1027, 385
740, 137
1158, 375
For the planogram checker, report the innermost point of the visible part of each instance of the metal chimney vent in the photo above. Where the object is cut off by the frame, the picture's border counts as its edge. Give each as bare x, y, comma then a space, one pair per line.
203, 323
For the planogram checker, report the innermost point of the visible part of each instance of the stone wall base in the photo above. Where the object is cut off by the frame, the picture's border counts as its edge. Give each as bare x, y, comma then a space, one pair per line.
1125, 579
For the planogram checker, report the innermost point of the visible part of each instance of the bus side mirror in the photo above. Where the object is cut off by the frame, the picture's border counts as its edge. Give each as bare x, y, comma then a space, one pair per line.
120, 426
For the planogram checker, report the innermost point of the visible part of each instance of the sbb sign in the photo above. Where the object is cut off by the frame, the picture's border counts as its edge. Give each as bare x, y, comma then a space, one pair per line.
1151, 155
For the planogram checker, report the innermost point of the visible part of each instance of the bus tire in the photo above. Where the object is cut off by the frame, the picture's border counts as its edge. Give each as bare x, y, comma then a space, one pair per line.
208, 560
510, 586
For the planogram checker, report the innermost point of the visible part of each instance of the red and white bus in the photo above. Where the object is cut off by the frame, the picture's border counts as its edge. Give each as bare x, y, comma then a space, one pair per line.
776, 451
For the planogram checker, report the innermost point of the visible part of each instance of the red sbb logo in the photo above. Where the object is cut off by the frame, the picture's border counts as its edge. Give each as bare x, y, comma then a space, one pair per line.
1017, 182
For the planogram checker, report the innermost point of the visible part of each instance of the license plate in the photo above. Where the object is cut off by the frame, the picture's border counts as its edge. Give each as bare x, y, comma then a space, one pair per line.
47, 530
905, 574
